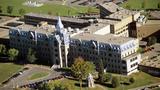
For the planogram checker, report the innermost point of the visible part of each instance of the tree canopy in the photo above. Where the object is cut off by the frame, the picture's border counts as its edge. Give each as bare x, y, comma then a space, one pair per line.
12, 53
2, 49
31, 56
10, 9
81, 69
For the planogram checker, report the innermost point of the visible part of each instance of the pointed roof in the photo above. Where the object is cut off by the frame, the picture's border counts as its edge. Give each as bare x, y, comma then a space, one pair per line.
59, 24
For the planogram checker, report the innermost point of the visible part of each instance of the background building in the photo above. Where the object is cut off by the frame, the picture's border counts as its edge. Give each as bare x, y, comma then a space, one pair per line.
50, 43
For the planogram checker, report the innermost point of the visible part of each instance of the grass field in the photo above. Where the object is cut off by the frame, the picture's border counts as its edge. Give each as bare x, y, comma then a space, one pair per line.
38, 75
141, 79
7, 70
137, 4
54, 9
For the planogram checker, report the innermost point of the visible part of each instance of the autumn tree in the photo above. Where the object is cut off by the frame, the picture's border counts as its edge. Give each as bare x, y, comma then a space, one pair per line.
81, 69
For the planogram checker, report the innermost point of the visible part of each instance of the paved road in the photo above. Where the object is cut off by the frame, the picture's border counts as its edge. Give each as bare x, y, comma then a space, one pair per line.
22, 79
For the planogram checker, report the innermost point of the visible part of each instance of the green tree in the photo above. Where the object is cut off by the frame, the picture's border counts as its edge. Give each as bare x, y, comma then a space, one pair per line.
21, 11
9, 9
159, 5
44, 86
58, 85
140, 50
81, 69
128, 6
2, 49
152, 40
31, 56
49, 13
131, 80
1, 9
115, 82
144, 4
12, 53
107, 77
101, 75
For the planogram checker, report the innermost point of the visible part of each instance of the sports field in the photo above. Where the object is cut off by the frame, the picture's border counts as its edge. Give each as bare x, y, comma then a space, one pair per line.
141, 4
51, 8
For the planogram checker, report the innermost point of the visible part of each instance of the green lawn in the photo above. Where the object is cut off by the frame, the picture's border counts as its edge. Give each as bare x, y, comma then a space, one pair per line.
74, 85
137, 4
141, 79
38, 75
7, 70
55, 9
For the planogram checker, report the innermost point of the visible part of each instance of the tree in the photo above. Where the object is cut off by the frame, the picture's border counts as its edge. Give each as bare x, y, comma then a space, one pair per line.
58, 85
131, 80
2, 49
128, 6
43, 86
1, 9
143, 4
12, 53
81, 69
158, 5
115, 82
31, 58
21, 11
49, 13
107, 77
10, 9
140, 50
152, 40
101, 75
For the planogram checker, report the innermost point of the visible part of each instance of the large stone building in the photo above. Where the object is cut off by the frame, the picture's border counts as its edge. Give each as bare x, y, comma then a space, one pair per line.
107, 39
60, 46
119, 54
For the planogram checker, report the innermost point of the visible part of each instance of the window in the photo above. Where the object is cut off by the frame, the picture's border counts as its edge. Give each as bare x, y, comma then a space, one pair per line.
55, 43
110, 54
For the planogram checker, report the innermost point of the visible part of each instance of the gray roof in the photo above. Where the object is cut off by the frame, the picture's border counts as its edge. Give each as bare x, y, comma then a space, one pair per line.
151, 58
111, 7
107, 38
68, 19
47, 29
121, 14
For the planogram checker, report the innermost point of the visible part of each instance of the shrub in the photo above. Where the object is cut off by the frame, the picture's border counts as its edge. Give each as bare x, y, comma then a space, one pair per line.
115, 82
131, 80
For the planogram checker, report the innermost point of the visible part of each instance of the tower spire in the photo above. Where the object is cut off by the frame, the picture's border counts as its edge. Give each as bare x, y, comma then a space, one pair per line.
59, 24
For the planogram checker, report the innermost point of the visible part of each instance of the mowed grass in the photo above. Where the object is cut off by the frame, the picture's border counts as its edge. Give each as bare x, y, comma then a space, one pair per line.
141, 79
7, 70
52, 8
38, 75
137, 4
